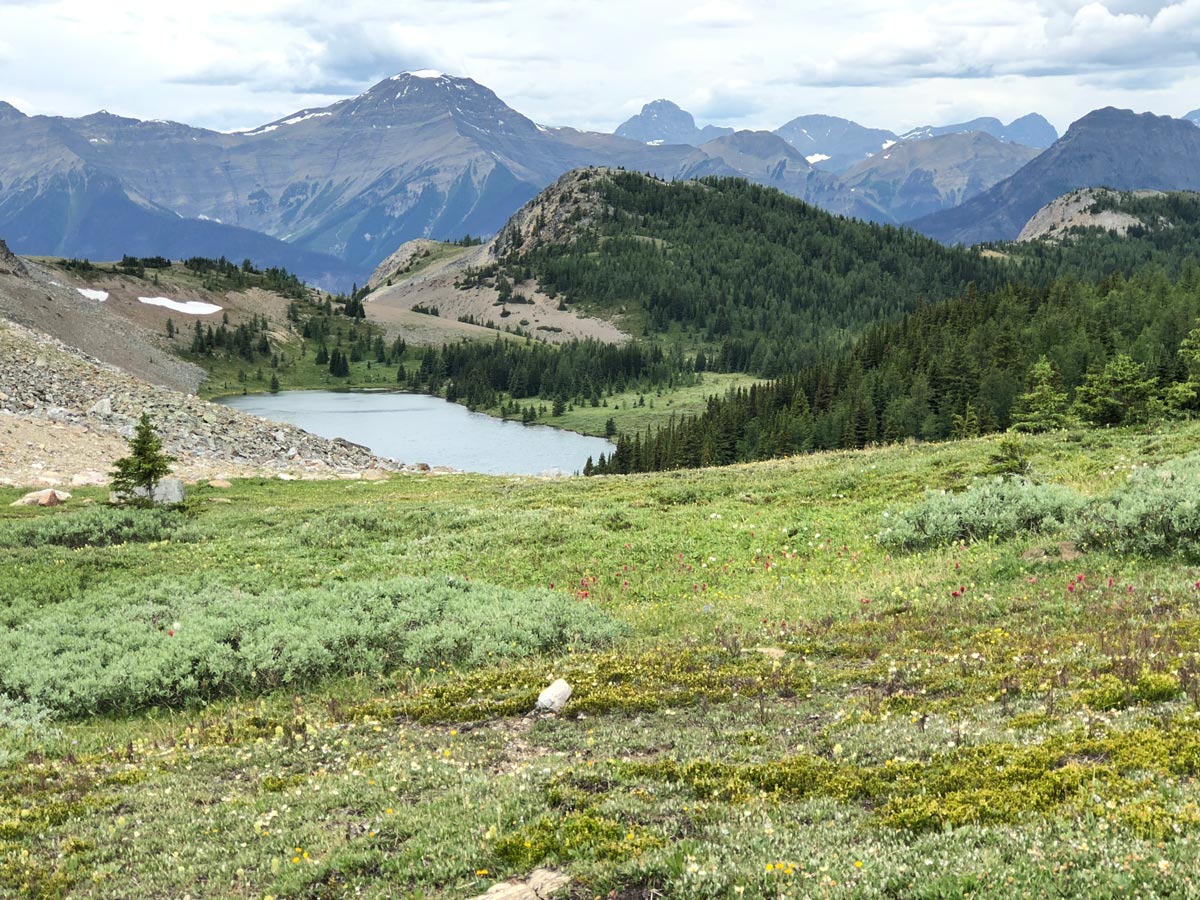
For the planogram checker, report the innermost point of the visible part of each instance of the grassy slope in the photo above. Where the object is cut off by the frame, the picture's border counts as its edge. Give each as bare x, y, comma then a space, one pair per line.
687, 765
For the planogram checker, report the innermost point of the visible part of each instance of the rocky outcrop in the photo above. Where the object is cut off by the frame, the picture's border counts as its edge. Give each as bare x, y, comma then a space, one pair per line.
10, 264
557, 214
406, 254
46, 381
48, 497
1077, 210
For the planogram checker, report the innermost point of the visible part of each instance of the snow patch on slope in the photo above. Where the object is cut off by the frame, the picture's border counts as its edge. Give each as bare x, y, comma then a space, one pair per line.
91, 294
187, 307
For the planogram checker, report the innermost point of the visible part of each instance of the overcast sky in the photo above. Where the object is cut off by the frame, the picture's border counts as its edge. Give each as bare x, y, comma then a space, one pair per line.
894, 64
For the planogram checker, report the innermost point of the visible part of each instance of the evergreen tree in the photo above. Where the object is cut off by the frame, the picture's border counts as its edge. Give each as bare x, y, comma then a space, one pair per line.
1043, 406
1120, 394
136, 475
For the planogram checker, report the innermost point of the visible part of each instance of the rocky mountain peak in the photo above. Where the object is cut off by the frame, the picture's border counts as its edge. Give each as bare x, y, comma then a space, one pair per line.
663, 122
8, 111
411, 98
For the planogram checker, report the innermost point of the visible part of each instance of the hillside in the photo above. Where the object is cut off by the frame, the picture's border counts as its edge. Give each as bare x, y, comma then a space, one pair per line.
765, 672
918, 177
1106, 148
48, 300
82, 357
1093, 233
1096, 325
759, 281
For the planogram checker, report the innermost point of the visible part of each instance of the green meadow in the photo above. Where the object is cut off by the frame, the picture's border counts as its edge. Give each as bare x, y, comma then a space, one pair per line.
968, 669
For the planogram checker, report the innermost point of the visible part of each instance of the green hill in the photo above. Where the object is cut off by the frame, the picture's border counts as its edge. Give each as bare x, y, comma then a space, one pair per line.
758, 281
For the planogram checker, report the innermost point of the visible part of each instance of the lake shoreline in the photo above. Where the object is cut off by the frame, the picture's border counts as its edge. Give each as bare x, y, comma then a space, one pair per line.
416, 428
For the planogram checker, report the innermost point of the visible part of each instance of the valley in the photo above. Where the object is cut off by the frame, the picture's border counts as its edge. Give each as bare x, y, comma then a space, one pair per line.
861, 558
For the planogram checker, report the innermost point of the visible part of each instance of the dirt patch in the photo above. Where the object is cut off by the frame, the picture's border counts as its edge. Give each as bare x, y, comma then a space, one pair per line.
434, 288
1065, 551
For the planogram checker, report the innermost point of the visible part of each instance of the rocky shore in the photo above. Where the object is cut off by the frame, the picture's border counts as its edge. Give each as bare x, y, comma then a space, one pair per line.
64, 418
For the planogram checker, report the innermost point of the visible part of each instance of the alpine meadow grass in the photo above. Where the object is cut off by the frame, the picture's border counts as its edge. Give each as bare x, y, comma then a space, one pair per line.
322, 689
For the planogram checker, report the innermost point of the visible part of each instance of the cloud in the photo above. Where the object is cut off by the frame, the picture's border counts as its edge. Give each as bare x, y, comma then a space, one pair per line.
751, 63
718, 14
725, 102
1060, 38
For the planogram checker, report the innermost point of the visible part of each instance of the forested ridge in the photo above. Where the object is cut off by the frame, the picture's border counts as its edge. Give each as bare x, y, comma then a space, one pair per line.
1098, 323
869, 333
1119, 351
762, 281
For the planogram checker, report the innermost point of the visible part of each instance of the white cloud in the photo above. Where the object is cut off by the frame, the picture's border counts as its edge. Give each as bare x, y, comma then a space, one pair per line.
748, 63
718, 14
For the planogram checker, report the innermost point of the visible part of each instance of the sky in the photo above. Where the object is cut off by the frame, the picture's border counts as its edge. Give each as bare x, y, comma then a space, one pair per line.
228, 64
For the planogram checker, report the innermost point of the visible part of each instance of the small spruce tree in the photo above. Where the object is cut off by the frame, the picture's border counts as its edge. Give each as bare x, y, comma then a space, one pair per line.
1043, 406
135, 476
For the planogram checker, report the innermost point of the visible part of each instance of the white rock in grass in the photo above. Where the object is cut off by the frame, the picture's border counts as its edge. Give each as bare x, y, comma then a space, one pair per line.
555, 697
53, 498
540, 885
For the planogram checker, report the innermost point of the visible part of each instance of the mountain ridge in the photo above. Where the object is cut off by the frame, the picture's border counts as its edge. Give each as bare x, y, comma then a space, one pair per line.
1108, 147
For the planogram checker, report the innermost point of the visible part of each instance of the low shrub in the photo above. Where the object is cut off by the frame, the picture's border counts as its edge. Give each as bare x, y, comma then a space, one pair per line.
993, 508
176, 642
95, 527
1155, 513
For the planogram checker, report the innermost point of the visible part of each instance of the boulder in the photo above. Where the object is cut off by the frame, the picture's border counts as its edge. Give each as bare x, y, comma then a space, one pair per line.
102, 407
219, 483
555, 697
540, 885
43, 498
374, 475
89, 478
167, 492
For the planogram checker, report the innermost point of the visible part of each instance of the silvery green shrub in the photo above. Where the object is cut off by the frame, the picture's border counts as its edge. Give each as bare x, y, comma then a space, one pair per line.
994, 508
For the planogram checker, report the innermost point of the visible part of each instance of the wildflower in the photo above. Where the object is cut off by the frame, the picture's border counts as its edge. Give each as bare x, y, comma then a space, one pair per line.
481, 872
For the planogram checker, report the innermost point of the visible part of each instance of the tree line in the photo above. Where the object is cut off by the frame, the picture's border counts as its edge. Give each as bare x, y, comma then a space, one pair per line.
1118, 351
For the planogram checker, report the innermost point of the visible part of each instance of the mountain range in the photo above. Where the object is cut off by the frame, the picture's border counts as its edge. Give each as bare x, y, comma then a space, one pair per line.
329, 192
1031, 130
1108, 147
